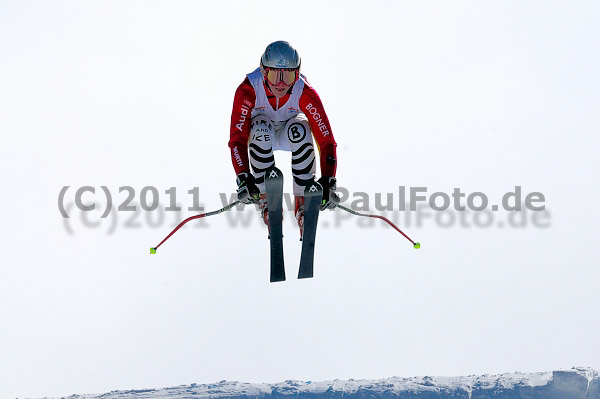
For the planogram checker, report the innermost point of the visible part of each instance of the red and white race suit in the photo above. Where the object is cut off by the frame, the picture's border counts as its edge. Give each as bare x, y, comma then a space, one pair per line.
261, 123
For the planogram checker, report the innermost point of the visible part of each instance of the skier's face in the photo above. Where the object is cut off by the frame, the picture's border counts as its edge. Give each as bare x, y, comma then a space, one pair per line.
280, 80
279, 90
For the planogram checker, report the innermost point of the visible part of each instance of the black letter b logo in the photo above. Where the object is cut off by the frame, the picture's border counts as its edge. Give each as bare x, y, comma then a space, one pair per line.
296, 132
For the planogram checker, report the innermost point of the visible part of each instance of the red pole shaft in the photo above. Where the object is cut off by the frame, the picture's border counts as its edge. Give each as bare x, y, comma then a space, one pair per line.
226, 208
349, 210
393, 225
178, 226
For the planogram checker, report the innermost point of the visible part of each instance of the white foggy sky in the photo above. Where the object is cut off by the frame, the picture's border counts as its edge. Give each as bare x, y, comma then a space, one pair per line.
478, 95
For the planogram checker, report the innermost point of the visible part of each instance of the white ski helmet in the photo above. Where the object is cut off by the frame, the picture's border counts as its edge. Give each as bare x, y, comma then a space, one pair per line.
280, 54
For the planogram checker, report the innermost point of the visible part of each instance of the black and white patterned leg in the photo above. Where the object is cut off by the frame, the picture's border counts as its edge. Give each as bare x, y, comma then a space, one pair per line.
260, 148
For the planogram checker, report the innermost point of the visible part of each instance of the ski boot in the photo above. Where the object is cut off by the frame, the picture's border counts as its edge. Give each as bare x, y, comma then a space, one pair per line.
264, 210
262, 207
299, 213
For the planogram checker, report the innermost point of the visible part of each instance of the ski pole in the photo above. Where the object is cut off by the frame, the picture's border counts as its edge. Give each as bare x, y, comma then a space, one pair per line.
416, 245
225, 208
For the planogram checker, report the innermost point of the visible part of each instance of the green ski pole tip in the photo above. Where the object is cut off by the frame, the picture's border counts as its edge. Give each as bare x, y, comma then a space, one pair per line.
417, 245
152, 250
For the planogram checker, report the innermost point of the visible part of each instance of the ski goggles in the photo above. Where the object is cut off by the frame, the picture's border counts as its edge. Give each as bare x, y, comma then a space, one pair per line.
277, 76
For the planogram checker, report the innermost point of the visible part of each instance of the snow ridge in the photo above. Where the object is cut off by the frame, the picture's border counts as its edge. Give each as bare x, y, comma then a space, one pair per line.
576, 383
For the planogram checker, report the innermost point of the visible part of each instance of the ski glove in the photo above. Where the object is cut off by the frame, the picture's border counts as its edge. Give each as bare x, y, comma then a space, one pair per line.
247, 191
330, 198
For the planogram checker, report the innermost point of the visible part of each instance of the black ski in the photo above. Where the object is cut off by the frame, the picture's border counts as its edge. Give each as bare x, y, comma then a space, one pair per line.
312, 200
274, 188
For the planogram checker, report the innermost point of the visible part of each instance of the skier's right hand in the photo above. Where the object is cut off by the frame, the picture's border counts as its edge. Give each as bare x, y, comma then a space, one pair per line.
247, 191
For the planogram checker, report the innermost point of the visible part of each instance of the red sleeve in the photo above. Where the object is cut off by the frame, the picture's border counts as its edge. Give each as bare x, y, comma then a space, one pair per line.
239, 132
311, 105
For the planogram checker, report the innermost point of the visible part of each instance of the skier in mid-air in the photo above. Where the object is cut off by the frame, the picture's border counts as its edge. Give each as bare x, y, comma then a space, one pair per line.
276, 109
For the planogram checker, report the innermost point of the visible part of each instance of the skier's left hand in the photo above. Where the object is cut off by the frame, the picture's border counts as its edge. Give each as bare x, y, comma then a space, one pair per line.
330, 198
